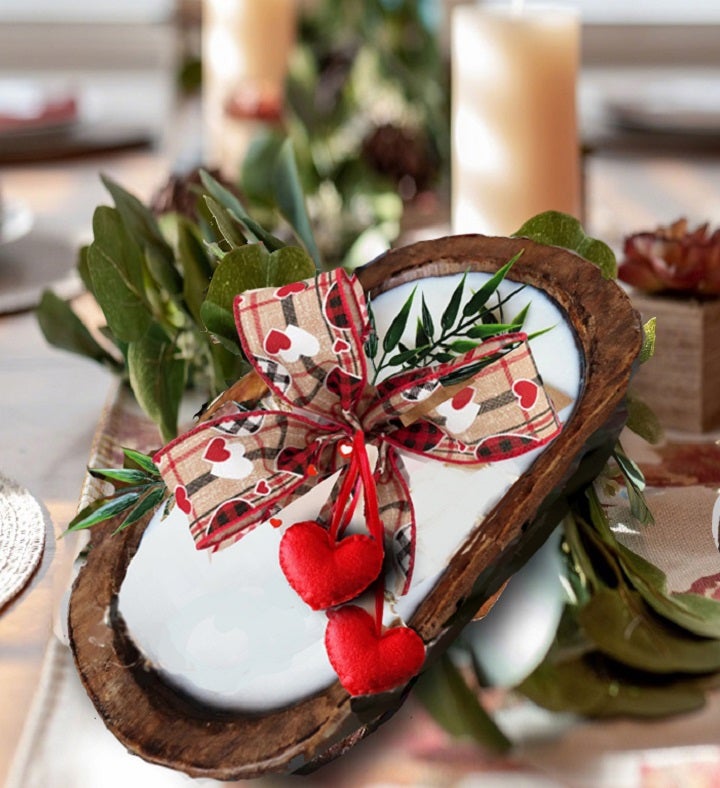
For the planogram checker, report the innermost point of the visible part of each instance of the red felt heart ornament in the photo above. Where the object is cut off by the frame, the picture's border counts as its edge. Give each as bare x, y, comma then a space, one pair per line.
368, 662
324, 572
276, 341
216, 451
526, 391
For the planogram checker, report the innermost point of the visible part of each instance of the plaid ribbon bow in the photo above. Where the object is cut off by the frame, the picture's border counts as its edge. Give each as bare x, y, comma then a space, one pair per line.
306, 341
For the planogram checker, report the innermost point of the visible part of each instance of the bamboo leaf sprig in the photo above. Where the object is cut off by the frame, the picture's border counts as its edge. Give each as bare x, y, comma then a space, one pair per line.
138, 490
460, 331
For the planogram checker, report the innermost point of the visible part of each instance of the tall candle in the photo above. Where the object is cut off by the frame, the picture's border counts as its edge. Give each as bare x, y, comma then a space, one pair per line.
514, 126
246, 45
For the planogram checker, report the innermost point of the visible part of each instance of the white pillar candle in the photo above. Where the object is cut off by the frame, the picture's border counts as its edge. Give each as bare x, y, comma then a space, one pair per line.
245, 47
514, 125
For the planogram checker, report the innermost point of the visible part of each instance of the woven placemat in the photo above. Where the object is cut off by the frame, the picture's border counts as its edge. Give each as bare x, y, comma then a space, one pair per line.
22, 538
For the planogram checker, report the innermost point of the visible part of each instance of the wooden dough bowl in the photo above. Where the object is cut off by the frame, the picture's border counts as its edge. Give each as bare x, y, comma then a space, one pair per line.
161, 725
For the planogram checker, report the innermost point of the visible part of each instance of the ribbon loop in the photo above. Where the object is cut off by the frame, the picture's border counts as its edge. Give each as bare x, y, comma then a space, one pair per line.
306, 341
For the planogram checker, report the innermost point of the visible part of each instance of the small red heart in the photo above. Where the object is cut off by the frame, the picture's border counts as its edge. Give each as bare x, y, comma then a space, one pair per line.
276, 522
276, 341
262, 487
216, 451
182, 500
461, 399
366, 662
323, 572
526, 391
289, 289
340, 346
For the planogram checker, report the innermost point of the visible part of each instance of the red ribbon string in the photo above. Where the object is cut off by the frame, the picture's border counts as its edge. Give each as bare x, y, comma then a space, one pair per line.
345, 505
372, 517
372, 510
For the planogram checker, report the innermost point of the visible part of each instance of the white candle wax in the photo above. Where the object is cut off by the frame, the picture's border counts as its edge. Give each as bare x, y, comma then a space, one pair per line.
514, 126
246, 45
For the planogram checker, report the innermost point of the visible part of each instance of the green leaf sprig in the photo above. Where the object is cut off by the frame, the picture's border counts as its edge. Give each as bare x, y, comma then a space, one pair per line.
166, 286
636, 647
138, 490
625, 645
460, 330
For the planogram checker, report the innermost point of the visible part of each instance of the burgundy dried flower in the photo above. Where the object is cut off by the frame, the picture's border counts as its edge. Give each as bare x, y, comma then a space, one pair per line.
673, 260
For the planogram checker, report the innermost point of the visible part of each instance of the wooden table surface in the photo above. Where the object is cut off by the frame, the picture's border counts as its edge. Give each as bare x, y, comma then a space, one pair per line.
50, 401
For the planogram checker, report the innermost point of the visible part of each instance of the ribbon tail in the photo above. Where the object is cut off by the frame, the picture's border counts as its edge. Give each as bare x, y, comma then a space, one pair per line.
398, 516
232, 473
500, 411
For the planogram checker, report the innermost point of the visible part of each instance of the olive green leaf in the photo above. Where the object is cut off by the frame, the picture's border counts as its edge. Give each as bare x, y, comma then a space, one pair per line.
622, 626
634, 485
157, 377
596, 687
139, 221
227, 225
445, 694
115, 264
559, 229
231, 203
195, 266
260, 160
163, 271
647, 351
62, 328
83, 269
247, 268
290, 198
697, 614
642, 420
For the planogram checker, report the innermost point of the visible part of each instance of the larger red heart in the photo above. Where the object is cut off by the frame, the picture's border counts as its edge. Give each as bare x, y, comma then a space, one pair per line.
323, 572
276, 341
367, 662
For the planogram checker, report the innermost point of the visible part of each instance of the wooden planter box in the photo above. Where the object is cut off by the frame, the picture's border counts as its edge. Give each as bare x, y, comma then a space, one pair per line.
682, 381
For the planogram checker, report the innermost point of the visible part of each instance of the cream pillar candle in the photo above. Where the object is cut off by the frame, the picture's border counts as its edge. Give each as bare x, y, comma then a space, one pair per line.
245, 46
514, 126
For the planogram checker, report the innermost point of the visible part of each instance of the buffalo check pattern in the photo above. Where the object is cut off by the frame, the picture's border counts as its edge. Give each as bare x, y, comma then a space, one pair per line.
306, 340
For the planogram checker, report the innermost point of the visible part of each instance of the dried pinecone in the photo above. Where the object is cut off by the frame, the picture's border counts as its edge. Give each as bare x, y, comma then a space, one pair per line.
671, 259
402, 154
